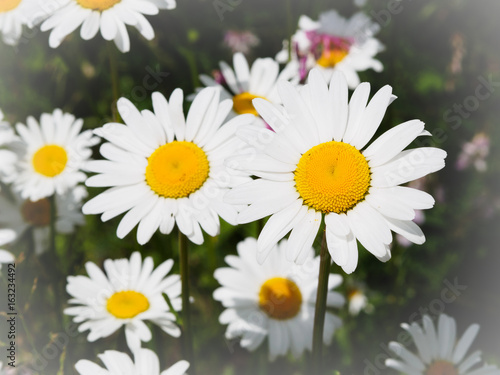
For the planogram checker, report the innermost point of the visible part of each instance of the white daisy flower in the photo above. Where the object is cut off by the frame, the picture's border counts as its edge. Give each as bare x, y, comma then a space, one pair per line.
275, 299
246, 83
318, 164
127, 295
108, 16
334, 43
117, 363
23, 214
11, 148
55, 154
164, 169
14, 14
439, 351
6, 236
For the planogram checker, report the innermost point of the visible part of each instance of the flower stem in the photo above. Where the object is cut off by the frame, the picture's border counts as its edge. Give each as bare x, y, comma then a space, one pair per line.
57, 274
187, 338
319, 316
52, 227
114, 82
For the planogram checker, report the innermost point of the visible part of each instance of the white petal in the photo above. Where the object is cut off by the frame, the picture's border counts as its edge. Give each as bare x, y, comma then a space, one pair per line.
407, 166
408, 229
372, 117
277, 227
464, 343
357, 106
337, 224
302, 237
392, 142
338, 99
407, 356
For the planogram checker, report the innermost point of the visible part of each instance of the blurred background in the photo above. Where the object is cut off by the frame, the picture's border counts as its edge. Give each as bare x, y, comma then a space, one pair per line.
443, 61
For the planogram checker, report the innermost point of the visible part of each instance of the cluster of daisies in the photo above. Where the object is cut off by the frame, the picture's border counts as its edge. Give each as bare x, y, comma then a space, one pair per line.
260, 141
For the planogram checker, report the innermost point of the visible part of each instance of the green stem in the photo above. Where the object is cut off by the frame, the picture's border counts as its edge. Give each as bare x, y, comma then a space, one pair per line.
187, 338
212, 252
52, 240
320, 311
57, 273
29, 338
191, 61
114, 83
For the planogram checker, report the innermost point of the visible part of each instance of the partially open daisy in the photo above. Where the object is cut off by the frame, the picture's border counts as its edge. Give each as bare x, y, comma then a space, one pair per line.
275, 299
116, 363
357, 301
6, 236
335, 43
11, 149
164, 169
316, 164
109, 16
246, 83
439, 351
129, 294
55, 154
23, 214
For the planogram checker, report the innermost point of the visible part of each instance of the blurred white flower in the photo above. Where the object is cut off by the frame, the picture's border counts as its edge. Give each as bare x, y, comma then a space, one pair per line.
245, 83
108, 16
145, 363
274, 300
15, 14
439, 351
358, 301
11, 149
21, 214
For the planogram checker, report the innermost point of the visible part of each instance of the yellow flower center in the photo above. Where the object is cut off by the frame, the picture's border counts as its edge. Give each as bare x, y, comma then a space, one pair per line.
242, 103
332, 177
177, 169
8, 5
280, 298
50, 160
98, 4
330, 58
36, 213
441, 368
127, 304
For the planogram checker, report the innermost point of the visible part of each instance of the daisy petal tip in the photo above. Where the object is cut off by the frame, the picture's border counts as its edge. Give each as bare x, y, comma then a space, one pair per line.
338, 77
348, 270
